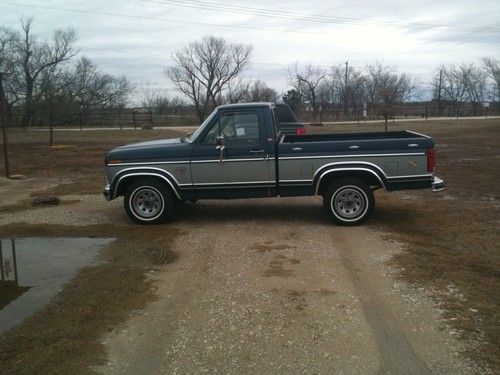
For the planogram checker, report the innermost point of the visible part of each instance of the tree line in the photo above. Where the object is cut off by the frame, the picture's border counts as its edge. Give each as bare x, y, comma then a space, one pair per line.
43, 77
208, 73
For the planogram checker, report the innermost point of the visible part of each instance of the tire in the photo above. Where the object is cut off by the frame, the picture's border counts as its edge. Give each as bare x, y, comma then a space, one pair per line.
350, 201
148, 201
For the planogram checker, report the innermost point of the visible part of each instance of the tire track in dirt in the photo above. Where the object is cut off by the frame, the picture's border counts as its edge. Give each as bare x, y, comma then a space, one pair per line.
396, 354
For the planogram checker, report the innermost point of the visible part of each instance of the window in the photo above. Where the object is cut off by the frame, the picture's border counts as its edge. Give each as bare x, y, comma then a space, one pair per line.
237, 128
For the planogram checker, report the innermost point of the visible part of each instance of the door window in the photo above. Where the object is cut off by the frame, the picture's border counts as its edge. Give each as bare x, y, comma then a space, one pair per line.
237, 128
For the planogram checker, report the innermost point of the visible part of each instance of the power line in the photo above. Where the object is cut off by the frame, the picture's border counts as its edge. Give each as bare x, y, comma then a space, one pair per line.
112, 14
214, 6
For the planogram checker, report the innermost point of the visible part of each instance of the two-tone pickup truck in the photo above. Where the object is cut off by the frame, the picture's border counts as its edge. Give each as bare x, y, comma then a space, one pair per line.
237, 153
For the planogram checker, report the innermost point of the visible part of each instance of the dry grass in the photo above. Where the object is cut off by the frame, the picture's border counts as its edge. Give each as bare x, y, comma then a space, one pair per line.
80, 161
452, 237
65, 336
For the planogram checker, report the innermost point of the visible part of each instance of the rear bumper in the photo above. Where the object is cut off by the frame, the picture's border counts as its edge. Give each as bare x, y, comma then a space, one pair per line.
437, 184
411, 183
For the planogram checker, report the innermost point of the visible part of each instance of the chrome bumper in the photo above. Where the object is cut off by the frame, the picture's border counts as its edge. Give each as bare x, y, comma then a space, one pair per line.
107, 192
437, 184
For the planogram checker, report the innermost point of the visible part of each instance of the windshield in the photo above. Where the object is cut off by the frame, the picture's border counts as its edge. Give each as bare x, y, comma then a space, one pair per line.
197, 132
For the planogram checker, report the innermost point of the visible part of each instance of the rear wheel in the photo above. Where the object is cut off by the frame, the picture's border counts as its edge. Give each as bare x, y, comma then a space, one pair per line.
349, 201
148, 201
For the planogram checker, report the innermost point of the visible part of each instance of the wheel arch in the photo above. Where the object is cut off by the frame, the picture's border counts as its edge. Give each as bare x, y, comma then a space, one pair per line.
369, 173
123, 180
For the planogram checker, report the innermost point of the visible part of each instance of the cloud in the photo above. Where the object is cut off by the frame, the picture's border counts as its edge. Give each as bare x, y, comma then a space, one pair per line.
140, 37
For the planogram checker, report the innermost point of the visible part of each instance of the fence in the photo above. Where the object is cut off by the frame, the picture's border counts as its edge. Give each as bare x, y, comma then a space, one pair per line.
106, 119
141, 119
403, 110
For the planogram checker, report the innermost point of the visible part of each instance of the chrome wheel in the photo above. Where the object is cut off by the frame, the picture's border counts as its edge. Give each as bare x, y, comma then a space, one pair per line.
147, 202
349, 202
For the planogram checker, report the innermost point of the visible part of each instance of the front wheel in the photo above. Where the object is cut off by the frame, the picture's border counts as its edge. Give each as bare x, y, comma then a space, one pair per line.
349, 201
148, 201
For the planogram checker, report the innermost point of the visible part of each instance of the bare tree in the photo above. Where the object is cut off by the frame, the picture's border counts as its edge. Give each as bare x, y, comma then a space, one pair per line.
93, 89
306, 81
386, 88
157, 101
11, 71
203, 70
351, 92
34, 57
454, 81
260, 92
50, 94
250, 91
237, 91
492, 67
337, 86
154, 99
324, 97
475, 85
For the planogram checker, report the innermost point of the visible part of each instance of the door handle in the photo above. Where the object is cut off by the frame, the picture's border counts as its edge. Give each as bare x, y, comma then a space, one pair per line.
413, 145
354, 147
257, 151
297, 149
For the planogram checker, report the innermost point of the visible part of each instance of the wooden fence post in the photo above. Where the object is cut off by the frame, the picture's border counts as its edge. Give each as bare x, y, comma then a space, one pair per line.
14, 259
3, 119
133, 118
2, 275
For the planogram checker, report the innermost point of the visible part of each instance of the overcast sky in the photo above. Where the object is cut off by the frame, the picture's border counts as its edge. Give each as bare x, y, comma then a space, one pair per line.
137, 37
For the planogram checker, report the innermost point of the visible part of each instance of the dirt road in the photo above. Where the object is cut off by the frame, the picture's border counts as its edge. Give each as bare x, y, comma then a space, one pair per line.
269, 287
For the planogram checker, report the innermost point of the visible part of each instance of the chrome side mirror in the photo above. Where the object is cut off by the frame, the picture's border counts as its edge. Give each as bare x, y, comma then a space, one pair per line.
221, 152
219, 140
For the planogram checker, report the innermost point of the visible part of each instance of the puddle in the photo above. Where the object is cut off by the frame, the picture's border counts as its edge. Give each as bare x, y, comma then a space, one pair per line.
33, 270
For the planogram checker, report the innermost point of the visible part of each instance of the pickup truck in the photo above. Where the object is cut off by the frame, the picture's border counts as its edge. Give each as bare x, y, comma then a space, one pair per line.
237, 153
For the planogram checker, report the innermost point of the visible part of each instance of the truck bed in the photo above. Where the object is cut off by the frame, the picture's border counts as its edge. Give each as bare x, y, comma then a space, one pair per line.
405, 135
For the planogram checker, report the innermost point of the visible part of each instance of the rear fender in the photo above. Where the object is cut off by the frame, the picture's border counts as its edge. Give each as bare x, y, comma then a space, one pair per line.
371, 173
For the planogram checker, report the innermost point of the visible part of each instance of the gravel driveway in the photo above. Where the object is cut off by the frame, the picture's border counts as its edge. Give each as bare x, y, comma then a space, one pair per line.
272, 287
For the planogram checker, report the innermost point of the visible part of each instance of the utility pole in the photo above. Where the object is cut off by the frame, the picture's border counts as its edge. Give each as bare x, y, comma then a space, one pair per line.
440, 108
3, 119
345, 88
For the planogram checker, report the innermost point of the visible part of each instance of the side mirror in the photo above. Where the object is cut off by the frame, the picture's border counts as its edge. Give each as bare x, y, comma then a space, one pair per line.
219, 140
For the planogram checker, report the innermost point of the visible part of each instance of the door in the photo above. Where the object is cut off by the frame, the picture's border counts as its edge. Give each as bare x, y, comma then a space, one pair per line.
230, 159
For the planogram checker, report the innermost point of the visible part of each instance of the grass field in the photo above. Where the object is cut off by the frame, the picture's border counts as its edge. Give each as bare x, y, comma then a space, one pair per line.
451, 237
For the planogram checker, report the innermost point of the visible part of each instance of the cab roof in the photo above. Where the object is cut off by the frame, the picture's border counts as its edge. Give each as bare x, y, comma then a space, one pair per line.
246, 105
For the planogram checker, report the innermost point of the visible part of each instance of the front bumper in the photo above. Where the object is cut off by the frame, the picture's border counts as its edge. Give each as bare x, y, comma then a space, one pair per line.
437, 184
107, 192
